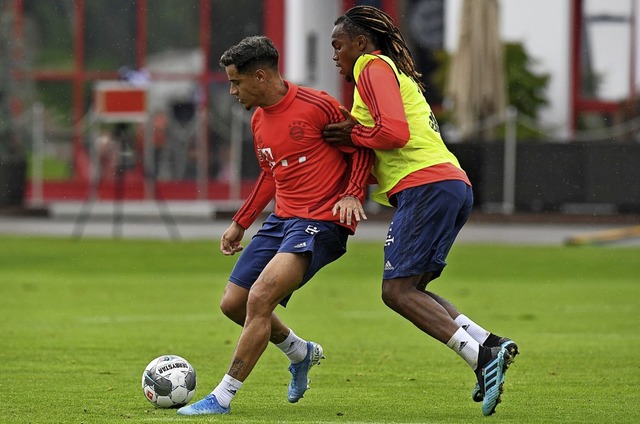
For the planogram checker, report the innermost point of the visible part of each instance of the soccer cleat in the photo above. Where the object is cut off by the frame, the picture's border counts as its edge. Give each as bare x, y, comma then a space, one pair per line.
207, 406
476, 394
300, 372
491, 378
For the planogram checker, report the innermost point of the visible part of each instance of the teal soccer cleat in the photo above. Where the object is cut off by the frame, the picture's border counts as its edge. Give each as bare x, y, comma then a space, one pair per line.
300, 372
207, 406
478, 395
491, 378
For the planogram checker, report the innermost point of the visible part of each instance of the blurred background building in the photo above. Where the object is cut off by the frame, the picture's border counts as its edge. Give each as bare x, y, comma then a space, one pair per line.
125, 99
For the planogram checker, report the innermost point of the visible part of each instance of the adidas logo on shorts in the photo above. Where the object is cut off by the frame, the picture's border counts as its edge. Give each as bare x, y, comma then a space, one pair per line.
388, 266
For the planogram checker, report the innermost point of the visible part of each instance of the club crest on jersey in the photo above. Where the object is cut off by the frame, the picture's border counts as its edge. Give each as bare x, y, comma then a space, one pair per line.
296, 131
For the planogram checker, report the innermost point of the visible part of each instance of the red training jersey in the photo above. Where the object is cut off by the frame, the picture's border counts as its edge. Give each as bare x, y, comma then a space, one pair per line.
306, 175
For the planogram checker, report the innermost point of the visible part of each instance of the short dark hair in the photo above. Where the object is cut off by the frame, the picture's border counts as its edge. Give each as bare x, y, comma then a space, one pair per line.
250, 54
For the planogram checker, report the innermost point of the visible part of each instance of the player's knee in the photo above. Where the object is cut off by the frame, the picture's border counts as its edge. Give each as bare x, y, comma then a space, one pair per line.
233, 309
259, 304
391, 293
396, 292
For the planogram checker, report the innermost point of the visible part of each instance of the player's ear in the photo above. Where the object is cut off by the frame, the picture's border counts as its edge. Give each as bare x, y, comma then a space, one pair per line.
361, 42
260, 75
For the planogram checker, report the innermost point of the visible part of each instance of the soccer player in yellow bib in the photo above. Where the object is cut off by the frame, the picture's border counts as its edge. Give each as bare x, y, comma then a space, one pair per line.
422, 179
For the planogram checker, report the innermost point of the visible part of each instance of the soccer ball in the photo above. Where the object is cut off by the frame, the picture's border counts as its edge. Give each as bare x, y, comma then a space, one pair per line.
169, 381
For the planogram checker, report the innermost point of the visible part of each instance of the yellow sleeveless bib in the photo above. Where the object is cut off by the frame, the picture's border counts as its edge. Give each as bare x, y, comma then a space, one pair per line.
425, 146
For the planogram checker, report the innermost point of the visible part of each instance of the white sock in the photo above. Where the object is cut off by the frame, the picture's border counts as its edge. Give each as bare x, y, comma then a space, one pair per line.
226, 390
464, 345
294, 347
478, 333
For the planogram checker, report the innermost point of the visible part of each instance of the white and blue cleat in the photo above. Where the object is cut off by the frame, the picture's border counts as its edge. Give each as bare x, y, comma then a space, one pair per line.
207, 406
300, 372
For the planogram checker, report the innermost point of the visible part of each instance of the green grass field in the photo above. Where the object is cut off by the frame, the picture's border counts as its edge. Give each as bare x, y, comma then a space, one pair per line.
79, 321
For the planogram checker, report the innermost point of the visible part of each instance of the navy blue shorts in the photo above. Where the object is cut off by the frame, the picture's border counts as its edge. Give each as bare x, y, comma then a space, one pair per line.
326, 241
427, 220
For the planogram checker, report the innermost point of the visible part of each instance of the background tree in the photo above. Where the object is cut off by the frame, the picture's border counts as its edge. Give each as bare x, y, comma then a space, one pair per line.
526, 89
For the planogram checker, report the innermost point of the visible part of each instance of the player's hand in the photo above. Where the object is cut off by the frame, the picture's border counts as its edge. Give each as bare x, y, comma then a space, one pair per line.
349, 208
339, 134
230, 241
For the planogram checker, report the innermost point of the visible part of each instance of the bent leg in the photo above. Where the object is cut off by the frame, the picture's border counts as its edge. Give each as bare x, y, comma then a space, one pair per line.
281, 277
448, 306
404, 296
407, 297
234, 305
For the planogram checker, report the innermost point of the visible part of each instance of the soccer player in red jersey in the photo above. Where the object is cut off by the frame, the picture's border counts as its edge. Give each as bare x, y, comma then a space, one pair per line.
318, 191
417, 175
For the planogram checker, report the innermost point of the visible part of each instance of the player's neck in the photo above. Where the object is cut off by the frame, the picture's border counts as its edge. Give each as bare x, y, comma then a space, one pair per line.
276, 91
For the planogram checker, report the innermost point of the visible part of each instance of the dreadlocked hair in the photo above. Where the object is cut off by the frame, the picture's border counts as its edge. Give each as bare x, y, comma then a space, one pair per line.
379, 26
